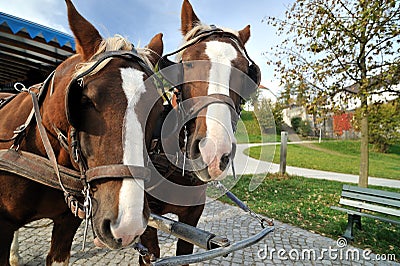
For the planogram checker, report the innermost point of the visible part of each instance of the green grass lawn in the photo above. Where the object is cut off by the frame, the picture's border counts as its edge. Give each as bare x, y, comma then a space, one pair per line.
249, 131
305, 203
336, 156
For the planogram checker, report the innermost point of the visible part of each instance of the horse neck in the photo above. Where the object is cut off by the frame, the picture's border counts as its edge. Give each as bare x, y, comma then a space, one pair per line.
12, 116
32, 141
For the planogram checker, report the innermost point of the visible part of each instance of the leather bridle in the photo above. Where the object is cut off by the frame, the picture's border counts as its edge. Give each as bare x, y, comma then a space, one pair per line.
87, 175
253, 73
188, 109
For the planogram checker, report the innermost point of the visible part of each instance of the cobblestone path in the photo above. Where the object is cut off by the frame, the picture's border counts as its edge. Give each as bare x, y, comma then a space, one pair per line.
287, 245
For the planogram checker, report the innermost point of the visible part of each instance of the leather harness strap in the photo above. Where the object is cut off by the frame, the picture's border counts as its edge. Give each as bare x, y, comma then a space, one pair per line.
19, 132
39, 169
117, 171
206, 101
45, 139
7, 99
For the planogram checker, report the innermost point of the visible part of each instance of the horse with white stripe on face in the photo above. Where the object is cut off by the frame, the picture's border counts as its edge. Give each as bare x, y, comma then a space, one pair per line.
216, 75
213, 77
215, 64
100, 101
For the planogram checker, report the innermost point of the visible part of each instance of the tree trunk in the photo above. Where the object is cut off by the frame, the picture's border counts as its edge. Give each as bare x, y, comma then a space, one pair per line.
364, 89
364, 158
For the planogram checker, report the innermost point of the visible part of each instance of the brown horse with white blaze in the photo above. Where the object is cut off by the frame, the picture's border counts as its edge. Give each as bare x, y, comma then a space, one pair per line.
214, 63
213, 78
99, 99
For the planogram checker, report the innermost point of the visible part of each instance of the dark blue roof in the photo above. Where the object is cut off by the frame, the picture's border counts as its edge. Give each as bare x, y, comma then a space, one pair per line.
29, 51
33, 29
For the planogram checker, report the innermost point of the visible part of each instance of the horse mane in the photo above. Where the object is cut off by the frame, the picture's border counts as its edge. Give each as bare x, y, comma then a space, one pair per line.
115, 43
189, 37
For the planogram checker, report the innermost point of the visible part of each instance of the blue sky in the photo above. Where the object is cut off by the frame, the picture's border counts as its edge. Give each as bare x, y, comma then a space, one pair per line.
140, 20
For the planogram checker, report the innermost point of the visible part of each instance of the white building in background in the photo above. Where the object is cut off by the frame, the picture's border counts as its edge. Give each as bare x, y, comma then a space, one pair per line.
296, 111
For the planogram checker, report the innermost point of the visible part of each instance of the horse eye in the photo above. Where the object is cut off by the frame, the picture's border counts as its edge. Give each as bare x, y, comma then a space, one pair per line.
86, 102
188, 65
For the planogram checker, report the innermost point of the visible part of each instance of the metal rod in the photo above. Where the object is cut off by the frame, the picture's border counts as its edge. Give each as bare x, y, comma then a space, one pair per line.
211, 254
188, 233
263, 221
236, 200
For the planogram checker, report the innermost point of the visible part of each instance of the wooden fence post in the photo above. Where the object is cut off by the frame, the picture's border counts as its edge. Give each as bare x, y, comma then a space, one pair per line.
282, 166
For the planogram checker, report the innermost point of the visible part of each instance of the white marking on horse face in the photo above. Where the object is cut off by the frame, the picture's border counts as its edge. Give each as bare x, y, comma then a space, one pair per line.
219, 136
130, 222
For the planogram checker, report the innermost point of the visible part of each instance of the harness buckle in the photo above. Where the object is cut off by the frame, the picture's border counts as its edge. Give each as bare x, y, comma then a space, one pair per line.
75, 155
20, 129
18, 86
80, 82
14, 147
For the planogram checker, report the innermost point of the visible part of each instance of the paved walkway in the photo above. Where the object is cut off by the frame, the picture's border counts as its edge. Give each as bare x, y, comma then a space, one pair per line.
247, 165
287, 245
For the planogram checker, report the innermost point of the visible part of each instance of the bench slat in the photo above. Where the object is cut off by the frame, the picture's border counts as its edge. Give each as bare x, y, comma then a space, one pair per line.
371, 198
371, 207
365, 215
374, 192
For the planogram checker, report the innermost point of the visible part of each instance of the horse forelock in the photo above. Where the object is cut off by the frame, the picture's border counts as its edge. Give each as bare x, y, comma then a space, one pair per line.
189, 37
115, 43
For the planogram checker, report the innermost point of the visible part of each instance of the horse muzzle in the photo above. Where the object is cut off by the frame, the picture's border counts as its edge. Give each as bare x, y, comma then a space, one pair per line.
217, 157
121, 212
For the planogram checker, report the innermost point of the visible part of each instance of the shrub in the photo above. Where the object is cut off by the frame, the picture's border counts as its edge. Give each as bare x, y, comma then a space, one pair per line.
295, 121
383, 124
304, 128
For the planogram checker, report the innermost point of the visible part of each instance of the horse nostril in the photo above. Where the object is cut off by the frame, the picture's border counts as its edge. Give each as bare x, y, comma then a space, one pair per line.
195, 149
119, 240
224, 161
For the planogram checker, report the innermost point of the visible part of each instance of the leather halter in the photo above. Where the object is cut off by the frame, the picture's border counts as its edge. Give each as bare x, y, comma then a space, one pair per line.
214, 98
115, 171
110, 171
190, 108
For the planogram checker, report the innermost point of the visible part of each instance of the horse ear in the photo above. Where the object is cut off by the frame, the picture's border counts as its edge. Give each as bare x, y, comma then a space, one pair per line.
244, 34
87, 38
156, 45
188, 18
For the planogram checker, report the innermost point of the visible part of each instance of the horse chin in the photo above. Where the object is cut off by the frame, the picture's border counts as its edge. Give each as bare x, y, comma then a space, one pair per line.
98, 243
205, 175
105, 239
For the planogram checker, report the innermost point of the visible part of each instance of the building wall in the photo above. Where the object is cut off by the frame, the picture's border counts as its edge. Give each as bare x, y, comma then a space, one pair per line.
292, 112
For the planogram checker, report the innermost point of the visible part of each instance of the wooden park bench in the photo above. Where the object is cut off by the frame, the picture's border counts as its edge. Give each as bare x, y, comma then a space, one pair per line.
380, 205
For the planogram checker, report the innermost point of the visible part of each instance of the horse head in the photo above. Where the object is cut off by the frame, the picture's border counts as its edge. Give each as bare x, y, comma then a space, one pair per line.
216, 75
103, 92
